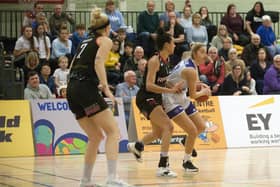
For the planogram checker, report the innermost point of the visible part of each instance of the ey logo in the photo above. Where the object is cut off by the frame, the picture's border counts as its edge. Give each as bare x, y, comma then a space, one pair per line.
259, 121
9, 124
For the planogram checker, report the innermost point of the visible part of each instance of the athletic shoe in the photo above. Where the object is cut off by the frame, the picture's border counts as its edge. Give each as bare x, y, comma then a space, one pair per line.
166, 172
89, 184
189, 167
117, 183
137, 153
182, 143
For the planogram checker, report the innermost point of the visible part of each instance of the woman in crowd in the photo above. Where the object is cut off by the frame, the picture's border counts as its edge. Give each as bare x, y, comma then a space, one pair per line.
222, 33
43, 43
205, 20
254, 17
272, 77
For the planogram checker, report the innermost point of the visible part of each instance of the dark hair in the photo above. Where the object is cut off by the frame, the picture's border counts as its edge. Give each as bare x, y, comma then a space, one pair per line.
31, 40
162, 38
116, 40
261, 5
129, 44
80, 26
229, 7
31, 74
109, 2
200, 9
36, 34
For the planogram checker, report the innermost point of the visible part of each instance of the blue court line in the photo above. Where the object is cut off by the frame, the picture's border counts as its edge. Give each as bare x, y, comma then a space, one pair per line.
20, 179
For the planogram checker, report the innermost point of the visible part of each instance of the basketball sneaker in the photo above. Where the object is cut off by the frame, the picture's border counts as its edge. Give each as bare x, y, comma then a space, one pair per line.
117, 183
136, 148
166, 172
182, 143
89, 184
189, 167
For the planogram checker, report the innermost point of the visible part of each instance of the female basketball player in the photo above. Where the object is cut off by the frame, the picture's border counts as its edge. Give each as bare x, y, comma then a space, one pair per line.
149, 102
179, 108
90, 108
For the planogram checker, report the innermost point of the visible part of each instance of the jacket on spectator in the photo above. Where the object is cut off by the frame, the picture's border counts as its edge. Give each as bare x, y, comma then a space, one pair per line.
215, 72
56, 21
272, 81
148, 23
250, 53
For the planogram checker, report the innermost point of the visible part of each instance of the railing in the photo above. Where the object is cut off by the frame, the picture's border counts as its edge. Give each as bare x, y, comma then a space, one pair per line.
11, 21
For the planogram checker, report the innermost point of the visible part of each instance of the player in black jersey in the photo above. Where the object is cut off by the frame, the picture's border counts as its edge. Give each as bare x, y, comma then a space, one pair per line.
87, 74
149, 102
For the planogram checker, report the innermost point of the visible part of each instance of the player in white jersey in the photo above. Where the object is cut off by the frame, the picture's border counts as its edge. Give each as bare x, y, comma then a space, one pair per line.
179, 108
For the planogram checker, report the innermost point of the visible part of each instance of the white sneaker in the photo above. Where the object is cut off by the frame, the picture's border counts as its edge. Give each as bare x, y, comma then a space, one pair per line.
117, 183
131, 148
89, 184
166, 172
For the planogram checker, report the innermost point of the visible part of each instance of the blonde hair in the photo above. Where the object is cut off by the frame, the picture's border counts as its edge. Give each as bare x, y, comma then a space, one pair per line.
60, 59
32, 56
195, 47
98, 21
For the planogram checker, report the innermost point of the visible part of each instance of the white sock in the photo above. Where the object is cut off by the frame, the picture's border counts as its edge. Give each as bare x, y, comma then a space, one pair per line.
164, 154
87, 172
187, 157
112, 169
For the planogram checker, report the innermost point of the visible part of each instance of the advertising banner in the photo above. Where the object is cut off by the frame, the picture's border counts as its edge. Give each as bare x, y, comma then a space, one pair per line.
16, 136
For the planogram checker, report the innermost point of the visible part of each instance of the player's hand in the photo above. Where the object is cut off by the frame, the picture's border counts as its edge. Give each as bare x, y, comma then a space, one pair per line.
206, 91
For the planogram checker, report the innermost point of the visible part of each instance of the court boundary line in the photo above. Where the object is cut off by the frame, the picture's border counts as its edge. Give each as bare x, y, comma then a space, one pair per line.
20, 179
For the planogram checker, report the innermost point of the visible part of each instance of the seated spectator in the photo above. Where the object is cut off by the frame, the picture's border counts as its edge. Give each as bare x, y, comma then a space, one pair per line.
24, 44
61, 73
31, 64
217, 41
254, 17
227, 45
127, 90
128, 53
271, 84
140, 71
31, 15
115, 17
205, 21
268, 38
41, 19
122, 39
212, 72
148, 23
34, 89
113, 65
132, 63
44, 44
250, 51
233, 59
197, 32
186, 19
59, 19
188, 3
78, 36
235, 26
62, 91
251, 83
47, 79
177, 32
235, 82
164, 18
258, 69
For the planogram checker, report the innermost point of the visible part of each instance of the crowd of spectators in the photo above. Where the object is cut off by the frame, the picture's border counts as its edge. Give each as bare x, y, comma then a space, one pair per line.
243, 54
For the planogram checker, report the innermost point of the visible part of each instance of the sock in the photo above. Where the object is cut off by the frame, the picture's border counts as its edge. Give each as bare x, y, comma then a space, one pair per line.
163, 162
112, 169
87, 172
187, 157
164, 154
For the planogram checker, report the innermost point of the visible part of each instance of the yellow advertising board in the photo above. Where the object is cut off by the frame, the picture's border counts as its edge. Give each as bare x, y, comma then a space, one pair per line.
213, 137
16, 137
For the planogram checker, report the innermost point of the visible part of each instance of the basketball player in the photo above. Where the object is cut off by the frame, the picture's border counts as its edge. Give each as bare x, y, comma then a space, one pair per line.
149, 102
179, 108
89, 107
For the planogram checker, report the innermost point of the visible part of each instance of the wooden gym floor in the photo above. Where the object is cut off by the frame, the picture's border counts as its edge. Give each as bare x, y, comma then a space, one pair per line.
228, 167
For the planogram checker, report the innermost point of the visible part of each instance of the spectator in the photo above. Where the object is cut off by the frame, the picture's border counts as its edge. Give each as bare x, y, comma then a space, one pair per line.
34, 89
115, 17
254, 17
205, 21
24, 45
268, 38
62, 91
41, 19
227, 45
197, 32
122, 39
47, 79
272, 77
250, 82
31, 64
132, 63
177, 32
31, 15
217, 41
59, 19
212, 72
235, 26
233, 59
128, 53
61, 73
78, 36
127, 90
258, 69
148, 23
235, 82
186, 19
250, 51
164, 18
44, 44
188, 3
140, 71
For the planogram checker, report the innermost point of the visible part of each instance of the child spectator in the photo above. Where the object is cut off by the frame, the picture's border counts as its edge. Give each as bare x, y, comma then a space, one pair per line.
128, 53
61, 73
78, 36
31, 64
62, 91
47, 79
43, 43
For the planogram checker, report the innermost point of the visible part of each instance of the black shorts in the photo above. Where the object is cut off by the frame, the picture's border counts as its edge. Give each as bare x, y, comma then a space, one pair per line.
146, 102
84, 99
